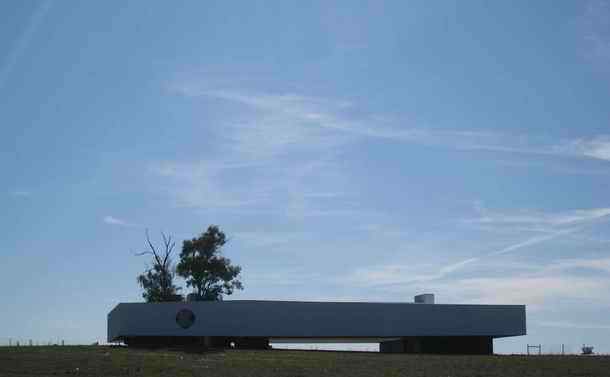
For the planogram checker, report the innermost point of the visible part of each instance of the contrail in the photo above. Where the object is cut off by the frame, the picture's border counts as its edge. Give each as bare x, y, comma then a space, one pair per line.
444, 271
532, 241
23, 41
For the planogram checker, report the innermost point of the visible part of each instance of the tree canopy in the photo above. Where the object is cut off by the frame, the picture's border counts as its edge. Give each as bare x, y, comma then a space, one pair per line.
205, 269
158, 280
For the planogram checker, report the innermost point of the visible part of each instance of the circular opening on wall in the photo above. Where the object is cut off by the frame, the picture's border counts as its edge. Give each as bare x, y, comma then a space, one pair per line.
185, 318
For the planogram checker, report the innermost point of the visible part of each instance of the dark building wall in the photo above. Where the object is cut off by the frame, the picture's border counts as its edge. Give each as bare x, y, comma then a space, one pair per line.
276, 319
256, 343
457, 345
164, 341
392, 346
198, 341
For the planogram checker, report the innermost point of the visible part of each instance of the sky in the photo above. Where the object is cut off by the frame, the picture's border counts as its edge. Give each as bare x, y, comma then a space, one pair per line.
351, 151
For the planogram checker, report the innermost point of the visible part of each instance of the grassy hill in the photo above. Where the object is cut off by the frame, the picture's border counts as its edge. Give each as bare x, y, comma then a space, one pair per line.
106, 361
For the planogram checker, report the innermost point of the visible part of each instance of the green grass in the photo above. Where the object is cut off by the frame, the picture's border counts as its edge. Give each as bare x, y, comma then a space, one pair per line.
106, 361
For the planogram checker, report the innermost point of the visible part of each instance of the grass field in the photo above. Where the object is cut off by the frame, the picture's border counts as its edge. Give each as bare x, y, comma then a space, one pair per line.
106, 361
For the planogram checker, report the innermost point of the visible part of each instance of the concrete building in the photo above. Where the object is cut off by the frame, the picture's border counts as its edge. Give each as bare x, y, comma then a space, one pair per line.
420, 327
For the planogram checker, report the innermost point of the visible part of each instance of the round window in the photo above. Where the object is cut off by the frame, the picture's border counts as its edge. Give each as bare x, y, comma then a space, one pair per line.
185, 318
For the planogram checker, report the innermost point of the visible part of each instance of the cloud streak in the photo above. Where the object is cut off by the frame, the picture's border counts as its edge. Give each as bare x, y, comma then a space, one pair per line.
283, 154
111, 220
532, 290
404, 275
399, 274
275, 157
595, 29
23, 41
539, 218
596, 147
20, 193
535, 286
572, 325
318, 120
531, 241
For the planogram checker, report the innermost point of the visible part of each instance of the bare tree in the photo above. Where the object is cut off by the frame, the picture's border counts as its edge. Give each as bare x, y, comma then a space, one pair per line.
158, 280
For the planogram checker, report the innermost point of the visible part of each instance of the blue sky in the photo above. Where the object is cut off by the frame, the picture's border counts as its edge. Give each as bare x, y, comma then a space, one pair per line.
351, 151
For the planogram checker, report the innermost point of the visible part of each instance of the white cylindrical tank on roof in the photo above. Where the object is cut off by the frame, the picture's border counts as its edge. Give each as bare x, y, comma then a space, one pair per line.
426, 298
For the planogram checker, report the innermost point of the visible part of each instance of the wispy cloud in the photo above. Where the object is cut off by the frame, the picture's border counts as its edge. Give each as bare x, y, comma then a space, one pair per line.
23, 41
287, 151
532, 241
523, 289
537, 220
270, 239
395, 274
282, 187
276, 124
385, 275
595, 28
598, 264
282, 153
203, 184
111, 220
275, 157
572, 325
20, 193
555, 280
407, 275
335, 122
560, 167
328, 123
596, 147
537, 286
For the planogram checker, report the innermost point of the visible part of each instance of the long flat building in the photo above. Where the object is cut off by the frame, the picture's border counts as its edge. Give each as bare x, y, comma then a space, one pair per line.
398, 327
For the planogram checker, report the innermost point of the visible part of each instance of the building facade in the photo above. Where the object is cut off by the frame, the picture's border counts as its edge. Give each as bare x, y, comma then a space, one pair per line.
422, 327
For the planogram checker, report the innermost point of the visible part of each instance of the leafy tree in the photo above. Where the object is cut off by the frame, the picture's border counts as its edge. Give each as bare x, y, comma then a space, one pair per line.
205, 269
158, 280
